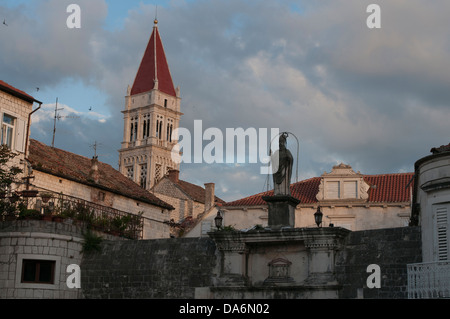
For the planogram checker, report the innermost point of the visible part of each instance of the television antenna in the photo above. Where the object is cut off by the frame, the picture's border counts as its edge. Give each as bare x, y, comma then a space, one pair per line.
54, 121
95, 146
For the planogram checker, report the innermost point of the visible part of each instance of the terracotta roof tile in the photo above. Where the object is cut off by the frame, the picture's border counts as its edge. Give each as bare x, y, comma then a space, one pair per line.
386, 188
147, 73
196, 192
389, 188
77, 168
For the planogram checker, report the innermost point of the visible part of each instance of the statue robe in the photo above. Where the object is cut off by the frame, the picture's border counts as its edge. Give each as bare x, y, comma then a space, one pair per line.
282, 176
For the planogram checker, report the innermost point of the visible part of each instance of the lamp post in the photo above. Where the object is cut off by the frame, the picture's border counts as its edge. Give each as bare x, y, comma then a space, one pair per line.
318, 217
218, 220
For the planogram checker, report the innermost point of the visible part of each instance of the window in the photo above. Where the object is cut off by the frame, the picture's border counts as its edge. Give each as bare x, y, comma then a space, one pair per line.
130, 172
350, 189
38, 271
169, 129
159, 127
169, 132
7, 130
165, 102
341, 189
144, 130
333, 190
146, 127
143, 179
133, 129
343, 184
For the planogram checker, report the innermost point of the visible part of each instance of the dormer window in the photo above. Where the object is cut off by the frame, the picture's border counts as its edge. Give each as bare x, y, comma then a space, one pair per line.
333, 189
350, 189
342, 183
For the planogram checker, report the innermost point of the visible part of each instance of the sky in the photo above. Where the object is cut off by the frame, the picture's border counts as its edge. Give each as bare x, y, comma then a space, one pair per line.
377, 99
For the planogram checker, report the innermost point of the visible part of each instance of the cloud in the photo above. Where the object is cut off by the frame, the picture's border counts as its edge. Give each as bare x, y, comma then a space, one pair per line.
374, 99
42, 50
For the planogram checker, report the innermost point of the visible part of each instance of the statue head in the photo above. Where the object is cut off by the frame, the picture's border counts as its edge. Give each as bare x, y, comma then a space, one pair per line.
283, 140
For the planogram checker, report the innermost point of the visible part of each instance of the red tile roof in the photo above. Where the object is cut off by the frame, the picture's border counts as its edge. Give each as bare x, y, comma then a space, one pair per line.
386, 188
390, 188
77, 168
16, 92
196, 192
153, 66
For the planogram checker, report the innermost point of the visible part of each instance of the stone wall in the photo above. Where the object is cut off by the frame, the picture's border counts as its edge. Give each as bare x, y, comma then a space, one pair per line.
391, 249
162, 268
174, 268
43, 240
185, 267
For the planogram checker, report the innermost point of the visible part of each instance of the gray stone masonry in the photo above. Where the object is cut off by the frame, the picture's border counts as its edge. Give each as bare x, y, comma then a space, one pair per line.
161, 268
391, 249
174, 268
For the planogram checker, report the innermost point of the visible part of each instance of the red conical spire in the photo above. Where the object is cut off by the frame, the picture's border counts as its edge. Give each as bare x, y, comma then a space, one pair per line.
154, 71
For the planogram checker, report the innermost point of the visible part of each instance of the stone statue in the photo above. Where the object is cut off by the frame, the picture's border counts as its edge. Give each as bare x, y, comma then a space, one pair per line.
282, 175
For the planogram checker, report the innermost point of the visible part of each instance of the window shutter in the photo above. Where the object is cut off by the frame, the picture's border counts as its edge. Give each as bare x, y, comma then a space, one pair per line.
20, 136
442, 232
350, 190
332, 190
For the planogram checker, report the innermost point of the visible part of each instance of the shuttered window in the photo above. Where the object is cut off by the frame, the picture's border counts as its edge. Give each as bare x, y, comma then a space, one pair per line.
332, 190
350, 190
442, 238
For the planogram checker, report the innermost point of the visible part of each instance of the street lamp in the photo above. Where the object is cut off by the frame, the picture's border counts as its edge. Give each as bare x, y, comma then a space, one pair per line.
218, 220
318, 216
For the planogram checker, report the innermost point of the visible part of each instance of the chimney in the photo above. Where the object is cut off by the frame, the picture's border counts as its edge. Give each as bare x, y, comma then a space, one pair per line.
174, 175
209, 196
93, 173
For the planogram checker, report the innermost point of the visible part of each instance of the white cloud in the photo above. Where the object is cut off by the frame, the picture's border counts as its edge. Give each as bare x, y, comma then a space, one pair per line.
374, 99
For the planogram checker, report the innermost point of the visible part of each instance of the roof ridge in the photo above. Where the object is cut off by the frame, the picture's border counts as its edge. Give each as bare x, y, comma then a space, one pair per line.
387, 174
57, 149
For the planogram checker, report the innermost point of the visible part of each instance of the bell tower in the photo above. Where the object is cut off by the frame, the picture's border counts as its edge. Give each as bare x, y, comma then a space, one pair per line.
152, 113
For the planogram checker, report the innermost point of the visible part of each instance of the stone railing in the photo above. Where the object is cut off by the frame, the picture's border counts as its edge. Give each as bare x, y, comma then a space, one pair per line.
429, 280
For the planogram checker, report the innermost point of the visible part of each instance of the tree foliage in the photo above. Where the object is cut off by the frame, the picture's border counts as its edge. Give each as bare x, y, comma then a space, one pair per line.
9, 174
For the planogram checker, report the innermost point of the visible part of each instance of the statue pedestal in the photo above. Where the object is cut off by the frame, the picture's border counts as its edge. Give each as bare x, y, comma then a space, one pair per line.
281, 210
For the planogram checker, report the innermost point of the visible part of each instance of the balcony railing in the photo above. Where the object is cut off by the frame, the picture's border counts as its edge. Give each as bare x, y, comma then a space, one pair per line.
429, 280
47, 204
